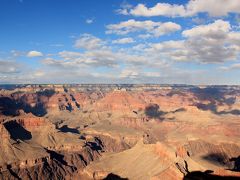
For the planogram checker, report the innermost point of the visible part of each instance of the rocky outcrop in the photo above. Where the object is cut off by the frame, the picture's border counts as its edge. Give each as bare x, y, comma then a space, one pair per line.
31, 122
119, 101
4, 134
132, 122
57, 164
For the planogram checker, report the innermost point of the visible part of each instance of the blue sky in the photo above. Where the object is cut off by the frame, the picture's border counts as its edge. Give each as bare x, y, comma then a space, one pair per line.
120, 41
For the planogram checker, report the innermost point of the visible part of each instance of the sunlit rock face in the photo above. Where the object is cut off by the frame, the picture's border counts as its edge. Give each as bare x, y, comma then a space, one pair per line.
119, 131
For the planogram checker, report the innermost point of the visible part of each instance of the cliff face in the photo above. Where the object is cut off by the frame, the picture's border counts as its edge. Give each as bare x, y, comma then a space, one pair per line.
127, 131
4, 134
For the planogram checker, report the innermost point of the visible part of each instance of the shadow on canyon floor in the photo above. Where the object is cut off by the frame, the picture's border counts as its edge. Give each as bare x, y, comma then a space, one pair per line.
112, 176
236, 163
16, 131
207, 175
153, 111
56, 156
212, 94
97, 145
216, 97
233, 164
10, 106
67, 129
46, 92
217, 158
213, 108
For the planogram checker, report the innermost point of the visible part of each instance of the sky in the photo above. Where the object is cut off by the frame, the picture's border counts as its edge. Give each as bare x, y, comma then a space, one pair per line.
120, 41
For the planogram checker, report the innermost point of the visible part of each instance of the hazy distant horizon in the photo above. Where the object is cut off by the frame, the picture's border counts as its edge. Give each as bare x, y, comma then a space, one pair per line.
121, 84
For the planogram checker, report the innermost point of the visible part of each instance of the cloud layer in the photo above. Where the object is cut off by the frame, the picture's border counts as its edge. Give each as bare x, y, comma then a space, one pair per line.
195, 43
147, 27
210, 43
214, 8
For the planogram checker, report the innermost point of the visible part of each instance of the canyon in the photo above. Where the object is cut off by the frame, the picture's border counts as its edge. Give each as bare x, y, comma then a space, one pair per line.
119, 131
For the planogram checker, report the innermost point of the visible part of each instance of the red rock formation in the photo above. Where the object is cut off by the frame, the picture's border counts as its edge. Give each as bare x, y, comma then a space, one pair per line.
132, 122
31, 122
119, 101
171, 173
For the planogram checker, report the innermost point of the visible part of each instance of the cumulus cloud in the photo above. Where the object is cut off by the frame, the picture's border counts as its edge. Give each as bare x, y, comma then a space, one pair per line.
58, 63
123, 41
210, 43
34, 54
103, 56
212, 7
93, 58
215, 30
168, 45
154, 28
88, 41
160, 9
124, 7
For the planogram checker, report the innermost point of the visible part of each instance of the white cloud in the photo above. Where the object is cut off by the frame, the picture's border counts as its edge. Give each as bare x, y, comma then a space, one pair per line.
93, 58
199, 20
218, 29
89, 21
129, 73
166, 28
234, 37
39, 73
124, 7
137, 73
88, 41
17, 53
154, 28
212, 7
9, 67
123, 41
144, 36
152, 74
34, 54
168, 45
160, 9
103, 56
210, 43
228, 68
68, 55
139, 47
